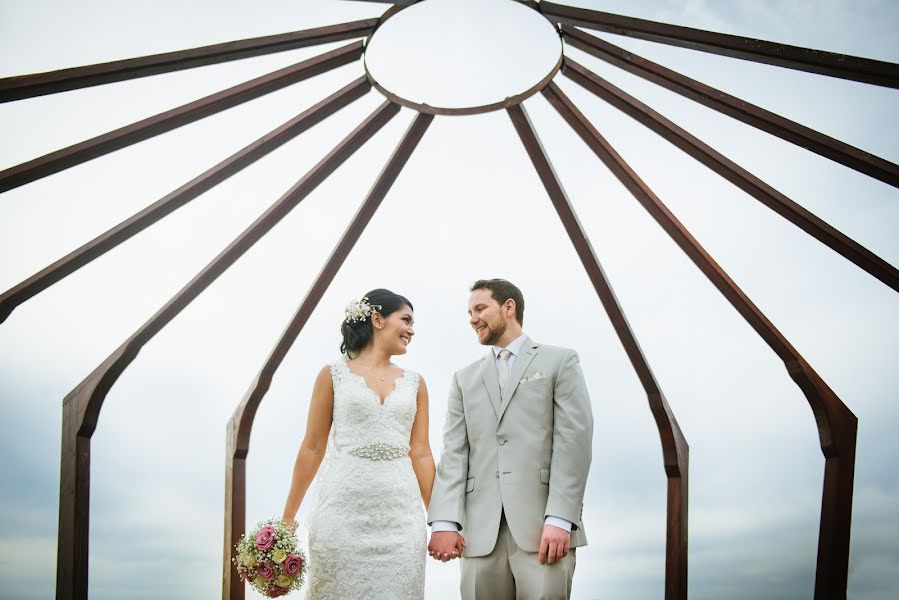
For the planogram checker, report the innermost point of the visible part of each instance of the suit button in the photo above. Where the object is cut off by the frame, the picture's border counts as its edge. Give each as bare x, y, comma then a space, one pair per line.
497, 474
503, 442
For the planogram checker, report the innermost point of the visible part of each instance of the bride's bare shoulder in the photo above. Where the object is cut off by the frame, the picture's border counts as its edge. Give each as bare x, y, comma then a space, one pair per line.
324, 377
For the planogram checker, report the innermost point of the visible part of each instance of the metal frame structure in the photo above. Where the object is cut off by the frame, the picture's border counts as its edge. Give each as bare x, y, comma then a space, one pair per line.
836, 424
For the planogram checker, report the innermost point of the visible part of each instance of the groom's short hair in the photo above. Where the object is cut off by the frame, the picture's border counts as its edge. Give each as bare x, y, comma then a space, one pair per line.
502, 290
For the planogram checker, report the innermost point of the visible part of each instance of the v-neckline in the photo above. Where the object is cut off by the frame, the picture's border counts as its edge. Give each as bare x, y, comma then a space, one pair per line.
377, 396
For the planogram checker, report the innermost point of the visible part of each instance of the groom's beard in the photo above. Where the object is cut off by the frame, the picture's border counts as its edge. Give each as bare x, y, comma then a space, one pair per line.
495, 334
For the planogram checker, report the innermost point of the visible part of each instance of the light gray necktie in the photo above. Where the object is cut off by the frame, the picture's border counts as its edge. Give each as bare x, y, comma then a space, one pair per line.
503, 371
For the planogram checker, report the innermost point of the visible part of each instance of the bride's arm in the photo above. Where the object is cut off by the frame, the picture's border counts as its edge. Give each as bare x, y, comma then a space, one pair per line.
312, 450
420, 447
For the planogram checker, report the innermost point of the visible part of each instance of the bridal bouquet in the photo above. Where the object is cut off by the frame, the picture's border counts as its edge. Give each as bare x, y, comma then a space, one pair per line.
269, 558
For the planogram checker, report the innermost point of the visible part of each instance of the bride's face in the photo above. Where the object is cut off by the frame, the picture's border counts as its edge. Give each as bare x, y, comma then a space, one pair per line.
396, 330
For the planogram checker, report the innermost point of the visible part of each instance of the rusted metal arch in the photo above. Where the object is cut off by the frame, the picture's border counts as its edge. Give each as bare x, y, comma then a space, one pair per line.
64, 80
843, 66
81, 408
78, 428
675, 450
837, 426
166, 121
241, 423
758, 117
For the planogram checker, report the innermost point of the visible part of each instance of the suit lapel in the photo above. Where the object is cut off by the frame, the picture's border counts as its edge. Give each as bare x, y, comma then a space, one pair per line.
522, 362
491, 382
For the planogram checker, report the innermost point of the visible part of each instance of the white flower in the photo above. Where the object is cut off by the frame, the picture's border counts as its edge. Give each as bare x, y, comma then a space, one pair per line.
360, 311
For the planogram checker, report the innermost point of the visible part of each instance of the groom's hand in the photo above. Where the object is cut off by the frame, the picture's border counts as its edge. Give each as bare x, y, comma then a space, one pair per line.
554, 544
446, 545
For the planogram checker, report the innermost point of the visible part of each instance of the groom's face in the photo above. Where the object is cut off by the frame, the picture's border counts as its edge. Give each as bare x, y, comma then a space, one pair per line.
486, 317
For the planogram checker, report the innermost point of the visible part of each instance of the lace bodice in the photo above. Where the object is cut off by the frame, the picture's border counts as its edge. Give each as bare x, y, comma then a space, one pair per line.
360, 419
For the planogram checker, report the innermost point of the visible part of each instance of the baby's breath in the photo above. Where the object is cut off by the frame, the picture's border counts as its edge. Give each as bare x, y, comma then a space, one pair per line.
360, 310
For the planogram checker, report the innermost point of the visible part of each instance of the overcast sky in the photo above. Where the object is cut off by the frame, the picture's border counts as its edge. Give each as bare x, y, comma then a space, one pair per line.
467, 205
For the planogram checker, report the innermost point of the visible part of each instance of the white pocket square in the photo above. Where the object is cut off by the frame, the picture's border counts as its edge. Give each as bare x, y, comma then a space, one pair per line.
533, 377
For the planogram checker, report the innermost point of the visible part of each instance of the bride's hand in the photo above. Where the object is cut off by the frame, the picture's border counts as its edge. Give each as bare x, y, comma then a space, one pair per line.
292, 525
446, 545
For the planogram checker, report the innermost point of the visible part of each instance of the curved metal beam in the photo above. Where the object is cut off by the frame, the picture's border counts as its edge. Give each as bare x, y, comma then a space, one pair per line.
675, 451
740, 177
855, 68
81, 408
63, 80
837, 426
241, 423
785, 129
171, 119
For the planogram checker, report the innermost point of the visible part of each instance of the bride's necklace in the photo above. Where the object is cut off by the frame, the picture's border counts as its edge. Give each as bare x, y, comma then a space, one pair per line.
371, 370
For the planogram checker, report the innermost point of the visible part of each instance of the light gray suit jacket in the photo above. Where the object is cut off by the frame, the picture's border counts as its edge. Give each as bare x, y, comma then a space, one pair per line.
525, 453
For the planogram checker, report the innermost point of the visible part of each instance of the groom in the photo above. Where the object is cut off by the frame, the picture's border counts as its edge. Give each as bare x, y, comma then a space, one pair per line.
517, 449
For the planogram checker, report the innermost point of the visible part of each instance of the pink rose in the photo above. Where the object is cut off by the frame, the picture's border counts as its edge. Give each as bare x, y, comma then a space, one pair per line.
265, 570
265, 538
244, 574
275, 591
292, 565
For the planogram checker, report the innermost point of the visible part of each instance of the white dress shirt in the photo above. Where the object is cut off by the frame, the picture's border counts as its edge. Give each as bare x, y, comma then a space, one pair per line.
514, 347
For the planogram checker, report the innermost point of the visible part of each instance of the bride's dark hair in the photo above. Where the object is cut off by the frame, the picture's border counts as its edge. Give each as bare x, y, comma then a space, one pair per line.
357, 334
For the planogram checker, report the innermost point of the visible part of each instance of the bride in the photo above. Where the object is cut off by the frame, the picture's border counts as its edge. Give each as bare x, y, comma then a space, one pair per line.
368, 420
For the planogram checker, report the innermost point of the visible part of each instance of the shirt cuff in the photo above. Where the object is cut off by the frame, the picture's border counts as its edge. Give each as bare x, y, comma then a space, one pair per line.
557, 522
444, 526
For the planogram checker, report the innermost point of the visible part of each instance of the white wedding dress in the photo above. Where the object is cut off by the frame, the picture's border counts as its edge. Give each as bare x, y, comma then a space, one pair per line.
367, 531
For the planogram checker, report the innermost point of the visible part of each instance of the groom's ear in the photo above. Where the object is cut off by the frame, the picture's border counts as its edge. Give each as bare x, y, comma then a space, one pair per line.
509, 307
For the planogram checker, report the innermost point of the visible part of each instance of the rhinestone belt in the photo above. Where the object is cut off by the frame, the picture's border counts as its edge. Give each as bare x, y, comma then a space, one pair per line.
379, 451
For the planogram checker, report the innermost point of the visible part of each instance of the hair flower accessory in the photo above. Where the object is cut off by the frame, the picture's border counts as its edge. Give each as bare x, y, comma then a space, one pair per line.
360, 310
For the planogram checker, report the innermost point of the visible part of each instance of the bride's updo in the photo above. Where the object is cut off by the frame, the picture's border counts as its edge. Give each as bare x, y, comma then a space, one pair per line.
356, 328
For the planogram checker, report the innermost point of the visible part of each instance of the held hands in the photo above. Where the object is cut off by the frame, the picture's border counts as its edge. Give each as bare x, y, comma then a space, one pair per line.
554, 544
446, 545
